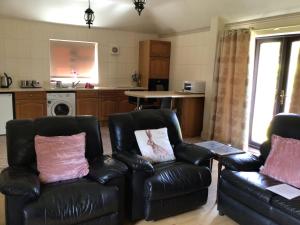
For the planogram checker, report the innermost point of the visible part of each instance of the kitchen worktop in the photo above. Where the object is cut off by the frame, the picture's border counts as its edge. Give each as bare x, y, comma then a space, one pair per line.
10, 90
162, 94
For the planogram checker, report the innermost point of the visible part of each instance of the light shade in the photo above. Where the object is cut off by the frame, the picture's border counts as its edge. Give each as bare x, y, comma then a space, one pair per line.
139, 5
89, 16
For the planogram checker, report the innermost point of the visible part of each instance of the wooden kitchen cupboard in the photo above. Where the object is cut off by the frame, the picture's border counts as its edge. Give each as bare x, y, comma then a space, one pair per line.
30, 105
87, 102
190, 113
154, 60
112, 101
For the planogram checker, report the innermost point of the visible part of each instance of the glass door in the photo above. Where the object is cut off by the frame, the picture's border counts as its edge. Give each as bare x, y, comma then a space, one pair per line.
276, 62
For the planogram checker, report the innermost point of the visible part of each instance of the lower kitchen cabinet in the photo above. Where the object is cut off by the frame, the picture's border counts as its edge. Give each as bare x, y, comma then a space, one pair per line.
113, 101
87, 103
190, 113
30, 105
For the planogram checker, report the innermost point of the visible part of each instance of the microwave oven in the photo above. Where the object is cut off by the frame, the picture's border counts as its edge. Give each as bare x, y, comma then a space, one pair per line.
194, 86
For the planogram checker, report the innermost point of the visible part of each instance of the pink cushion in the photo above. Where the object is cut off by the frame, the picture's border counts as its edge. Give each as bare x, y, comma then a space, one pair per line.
61, 157
283, 162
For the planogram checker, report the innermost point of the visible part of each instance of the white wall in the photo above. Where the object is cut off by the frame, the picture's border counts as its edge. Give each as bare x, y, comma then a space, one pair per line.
24, 50
193, 58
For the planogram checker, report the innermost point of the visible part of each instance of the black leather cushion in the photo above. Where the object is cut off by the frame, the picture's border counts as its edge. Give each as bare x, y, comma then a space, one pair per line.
21, 133
176, 179
104, 169
122, 127
65, 126
253, 183
19, 182
71, 202
242, 162
20, 143
284, 125
290, 207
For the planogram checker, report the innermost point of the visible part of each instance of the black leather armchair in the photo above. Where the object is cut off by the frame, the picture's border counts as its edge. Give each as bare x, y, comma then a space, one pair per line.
242, 192
95, 199
164, 189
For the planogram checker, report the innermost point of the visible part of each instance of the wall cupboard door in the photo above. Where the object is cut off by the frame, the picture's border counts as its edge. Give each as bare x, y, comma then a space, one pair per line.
159, 68
160, 49
30, 105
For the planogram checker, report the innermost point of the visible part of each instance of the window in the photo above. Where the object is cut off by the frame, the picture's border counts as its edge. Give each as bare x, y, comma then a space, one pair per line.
275, 66
74, 61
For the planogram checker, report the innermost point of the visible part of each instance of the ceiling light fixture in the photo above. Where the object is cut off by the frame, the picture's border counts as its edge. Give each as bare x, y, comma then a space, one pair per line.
139, 5
89, 16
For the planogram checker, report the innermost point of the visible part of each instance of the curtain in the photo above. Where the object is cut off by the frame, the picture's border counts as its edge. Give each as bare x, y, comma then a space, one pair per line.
231, 93
295, 98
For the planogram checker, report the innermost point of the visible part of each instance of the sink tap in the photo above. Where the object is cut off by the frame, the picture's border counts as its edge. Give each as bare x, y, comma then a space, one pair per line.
75, 84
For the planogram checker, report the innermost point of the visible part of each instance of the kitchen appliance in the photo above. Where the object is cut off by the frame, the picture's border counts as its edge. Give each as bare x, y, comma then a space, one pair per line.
6, 81
6, 112
30, 84
194, 86
61, 104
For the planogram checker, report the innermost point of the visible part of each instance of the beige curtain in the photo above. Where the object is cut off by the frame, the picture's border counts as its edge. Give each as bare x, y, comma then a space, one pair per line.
295, 98
230, 112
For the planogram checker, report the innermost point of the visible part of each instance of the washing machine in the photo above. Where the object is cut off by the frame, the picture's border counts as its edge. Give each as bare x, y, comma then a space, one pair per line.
61, 104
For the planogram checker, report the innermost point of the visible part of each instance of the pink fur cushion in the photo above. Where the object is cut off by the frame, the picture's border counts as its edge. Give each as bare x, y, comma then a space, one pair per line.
61, 158
283, 162
155, 145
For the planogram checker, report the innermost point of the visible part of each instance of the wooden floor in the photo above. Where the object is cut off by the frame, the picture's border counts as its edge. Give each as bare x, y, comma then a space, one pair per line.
206, 215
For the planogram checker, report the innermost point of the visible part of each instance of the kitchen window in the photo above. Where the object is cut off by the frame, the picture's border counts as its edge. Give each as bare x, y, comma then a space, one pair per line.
72, 61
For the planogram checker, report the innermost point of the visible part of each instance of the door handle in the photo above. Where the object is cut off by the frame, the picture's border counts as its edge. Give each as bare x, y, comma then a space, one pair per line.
282, 97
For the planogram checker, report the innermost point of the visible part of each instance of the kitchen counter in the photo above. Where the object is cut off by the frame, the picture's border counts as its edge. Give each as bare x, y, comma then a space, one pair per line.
162, 94
11, 90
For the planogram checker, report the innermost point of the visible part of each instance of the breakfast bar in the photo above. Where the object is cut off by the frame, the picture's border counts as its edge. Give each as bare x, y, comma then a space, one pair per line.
189, 108
162, 95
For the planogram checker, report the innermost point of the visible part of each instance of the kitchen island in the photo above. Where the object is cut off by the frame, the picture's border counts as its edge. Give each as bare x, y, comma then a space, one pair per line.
189, 108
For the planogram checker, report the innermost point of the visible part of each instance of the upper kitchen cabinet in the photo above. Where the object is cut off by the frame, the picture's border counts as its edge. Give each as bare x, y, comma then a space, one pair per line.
154, 60
30, 105
160, 49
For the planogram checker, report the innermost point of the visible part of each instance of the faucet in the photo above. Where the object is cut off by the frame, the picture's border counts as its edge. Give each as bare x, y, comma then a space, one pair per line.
75, 84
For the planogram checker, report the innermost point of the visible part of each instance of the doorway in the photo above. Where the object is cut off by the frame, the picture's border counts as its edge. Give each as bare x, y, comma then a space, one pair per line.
275, 66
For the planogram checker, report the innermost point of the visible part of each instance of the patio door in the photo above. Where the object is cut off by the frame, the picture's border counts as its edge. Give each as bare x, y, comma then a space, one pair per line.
276, 60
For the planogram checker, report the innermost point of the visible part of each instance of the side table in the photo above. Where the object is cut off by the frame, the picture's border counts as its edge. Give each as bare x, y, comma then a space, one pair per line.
219, 150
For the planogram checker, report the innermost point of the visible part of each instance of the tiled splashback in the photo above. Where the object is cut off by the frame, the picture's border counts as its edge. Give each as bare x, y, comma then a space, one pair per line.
24, 50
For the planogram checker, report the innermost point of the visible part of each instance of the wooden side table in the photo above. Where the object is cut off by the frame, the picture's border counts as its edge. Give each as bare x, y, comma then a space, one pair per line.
219, 150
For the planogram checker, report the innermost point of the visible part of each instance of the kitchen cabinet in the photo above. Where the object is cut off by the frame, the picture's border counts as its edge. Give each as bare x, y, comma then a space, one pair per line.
87, 102
190, 114
113, 101
30, 105
154, 60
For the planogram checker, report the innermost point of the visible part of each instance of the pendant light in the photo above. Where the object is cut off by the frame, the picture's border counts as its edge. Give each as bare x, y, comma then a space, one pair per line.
89, 16
139, 5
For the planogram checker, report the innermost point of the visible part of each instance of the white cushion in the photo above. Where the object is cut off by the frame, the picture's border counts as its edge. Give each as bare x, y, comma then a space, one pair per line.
155, 145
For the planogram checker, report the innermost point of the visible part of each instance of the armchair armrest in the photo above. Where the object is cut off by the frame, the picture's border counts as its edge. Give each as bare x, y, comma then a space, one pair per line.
242, 162
105, 169
19, 182
192, 153
134, 161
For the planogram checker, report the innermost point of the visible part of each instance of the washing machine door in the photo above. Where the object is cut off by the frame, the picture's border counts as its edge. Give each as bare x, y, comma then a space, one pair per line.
61, 108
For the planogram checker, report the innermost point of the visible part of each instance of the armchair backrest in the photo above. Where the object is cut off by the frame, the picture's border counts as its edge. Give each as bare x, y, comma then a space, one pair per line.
21, 133
284, 125
123, 125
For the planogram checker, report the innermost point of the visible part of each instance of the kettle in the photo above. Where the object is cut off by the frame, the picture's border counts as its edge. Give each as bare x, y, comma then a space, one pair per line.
6, 81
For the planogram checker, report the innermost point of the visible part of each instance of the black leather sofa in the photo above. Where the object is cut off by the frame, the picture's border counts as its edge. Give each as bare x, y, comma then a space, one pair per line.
164, 189
95, 199
242, 192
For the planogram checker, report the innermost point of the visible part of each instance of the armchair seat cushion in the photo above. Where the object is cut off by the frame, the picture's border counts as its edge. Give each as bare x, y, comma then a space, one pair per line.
173, 179
71, 202
290, 207
252, 183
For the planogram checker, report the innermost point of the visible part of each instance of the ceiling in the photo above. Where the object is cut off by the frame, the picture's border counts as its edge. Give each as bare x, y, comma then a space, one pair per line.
159, 16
